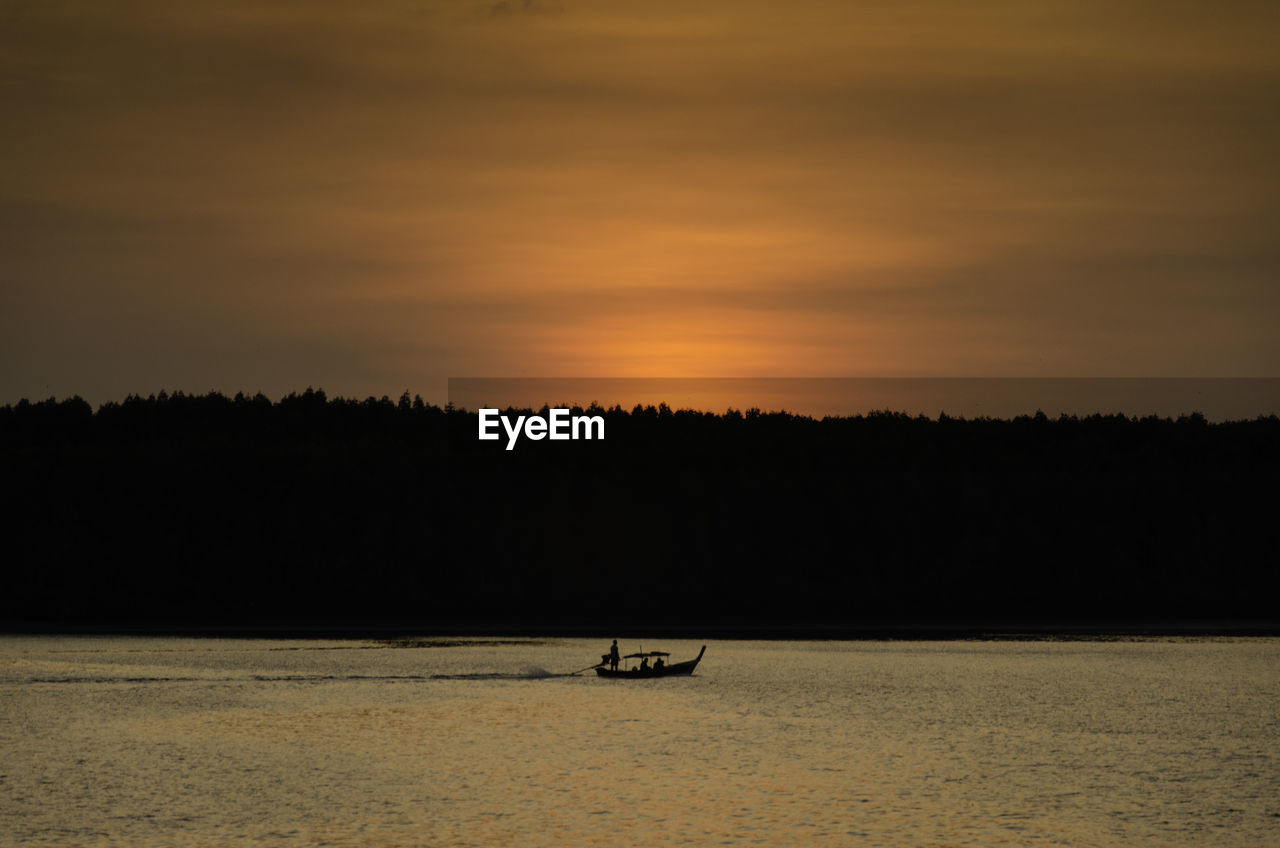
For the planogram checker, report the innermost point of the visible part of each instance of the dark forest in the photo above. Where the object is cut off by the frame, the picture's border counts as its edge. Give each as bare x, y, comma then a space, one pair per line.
184, 511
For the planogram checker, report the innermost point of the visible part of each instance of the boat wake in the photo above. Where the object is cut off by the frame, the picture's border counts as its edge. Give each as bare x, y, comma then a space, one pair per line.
530, 673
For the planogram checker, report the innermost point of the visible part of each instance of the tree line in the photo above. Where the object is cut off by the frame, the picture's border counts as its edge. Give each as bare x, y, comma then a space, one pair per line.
208, 510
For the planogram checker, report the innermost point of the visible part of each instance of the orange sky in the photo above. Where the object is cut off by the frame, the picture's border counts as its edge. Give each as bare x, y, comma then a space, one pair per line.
373, 197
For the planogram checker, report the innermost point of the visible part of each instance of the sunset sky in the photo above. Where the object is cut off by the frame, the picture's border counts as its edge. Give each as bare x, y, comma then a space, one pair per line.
372, 197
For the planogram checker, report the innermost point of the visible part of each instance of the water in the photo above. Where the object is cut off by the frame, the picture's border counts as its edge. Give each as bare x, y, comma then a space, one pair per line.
151, 742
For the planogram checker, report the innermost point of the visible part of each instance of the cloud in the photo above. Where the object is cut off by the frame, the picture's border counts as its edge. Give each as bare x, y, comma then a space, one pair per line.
397, 191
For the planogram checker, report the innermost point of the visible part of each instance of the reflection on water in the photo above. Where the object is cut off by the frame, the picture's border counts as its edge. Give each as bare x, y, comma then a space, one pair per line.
169, 742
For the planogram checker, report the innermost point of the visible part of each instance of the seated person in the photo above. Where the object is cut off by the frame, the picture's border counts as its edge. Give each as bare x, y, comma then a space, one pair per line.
658, 664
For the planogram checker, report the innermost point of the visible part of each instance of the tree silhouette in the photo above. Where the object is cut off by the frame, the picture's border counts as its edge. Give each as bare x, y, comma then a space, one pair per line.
179, 508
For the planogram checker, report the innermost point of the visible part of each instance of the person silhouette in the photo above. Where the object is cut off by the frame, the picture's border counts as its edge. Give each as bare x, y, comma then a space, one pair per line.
644, 664
613, 656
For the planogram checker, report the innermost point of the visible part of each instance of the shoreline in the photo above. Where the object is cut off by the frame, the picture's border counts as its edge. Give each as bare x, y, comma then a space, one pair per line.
893, 632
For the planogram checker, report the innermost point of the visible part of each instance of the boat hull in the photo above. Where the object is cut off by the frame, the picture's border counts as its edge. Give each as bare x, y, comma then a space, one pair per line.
674, 670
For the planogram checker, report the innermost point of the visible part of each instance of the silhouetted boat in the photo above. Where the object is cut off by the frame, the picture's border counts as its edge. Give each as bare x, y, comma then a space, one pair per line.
638, 673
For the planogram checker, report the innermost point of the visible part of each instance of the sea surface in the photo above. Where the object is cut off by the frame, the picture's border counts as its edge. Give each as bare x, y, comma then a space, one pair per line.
455, 742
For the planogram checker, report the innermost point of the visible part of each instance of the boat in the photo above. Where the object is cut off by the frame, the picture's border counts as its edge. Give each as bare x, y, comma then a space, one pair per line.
639, 673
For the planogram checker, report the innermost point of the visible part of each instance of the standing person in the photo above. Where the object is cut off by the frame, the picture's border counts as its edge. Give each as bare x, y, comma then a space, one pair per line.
613, 656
